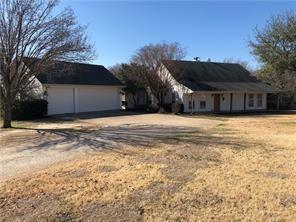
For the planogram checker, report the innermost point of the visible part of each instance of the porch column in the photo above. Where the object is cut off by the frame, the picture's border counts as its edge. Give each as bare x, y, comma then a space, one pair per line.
231, 95
245, 96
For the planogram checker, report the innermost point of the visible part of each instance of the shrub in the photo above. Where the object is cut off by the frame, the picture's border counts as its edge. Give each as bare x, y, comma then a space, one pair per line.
168, 107
285, 101
181, 108
29, 109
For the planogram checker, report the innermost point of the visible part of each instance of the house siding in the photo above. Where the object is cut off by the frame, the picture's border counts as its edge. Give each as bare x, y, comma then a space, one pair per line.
197, 98
237, 102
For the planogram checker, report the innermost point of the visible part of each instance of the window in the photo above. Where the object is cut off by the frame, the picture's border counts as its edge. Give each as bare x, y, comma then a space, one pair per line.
259, 100
202, 104
251, 100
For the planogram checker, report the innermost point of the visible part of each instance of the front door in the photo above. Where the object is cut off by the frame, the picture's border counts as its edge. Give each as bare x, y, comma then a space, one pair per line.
216, 102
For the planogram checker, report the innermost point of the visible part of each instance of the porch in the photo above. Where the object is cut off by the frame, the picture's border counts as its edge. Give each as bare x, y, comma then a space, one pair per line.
224, 101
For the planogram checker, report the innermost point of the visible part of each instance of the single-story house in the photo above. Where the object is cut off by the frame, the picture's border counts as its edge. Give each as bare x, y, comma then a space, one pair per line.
78, 87
214, 87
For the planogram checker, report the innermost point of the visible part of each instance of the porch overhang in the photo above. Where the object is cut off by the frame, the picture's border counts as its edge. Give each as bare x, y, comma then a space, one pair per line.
232, 87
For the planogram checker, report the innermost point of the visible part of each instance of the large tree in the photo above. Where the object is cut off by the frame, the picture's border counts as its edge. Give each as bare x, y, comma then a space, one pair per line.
151, 57
131, 75
30, 29
275, 48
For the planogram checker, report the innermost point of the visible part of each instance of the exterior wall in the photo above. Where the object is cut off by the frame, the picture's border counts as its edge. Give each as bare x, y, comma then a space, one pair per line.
81, 98
237, 102
225, 102
256, 107
178, 89
197, 98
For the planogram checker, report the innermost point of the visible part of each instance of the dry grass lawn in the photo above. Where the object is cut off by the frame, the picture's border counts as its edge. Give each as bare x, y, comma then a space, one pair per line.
243, 169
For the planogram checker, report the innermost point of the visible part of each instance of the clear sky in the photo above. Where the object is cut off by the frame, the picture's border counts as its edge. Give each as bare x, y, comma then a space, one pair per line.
210, 29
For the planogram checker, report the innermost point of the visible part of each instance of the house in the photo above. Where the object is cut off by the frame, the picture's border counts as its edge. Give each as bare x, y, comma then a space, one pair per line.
78, 87
214, 87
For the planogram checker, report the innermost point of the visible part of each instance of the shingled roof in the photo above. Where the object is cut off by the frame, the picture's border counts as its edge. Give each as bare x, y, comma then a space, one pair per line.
213, 76
77, 74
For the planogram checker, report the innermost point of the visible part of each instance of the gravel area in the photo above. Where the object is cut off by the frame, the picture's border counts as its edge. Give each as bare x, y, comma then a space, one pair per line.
37, 145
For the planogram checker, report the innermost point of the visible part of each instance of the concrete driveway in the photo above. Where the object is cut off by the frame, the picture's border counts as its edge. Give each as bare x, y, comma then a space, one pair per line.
36, 145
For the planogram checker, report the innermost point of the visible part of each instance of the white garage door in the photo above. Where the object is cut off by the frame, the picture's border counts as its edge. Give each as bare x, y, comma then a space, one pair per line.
60, 100
71, 99
97, 99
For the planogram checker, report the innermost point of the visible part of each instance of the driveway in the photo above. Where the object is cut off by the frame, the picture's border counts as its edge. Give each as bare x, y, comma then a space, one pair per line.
36, 145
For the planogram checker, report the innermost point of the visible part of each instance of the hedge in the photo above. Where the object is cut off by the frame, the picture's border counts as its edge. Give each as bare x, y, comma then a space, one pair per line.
29, 109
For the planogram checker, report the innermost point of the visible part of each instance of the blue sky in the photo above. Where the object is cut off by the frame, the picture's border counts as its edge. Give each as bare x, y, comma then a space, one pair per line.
210, 29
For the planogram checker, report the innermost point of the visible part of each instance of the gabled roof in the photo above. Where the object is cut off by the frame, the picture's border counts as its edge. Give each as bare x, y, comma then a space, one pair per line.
76, 73
213, 76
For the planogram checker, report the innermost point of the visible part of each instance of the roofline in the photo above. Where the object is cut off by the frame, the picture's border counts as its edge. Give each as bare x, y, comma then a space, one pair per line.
177, 60
81, 63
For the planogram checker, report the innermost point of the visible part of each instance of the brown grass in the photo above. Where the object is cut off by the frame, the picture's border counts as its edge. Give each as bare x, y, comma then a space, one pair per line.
241, 170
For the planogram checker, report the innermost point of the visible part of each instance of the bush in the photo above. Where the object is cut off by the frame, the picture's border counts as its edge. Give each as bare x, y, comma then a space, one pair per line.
285, 101
168, 107
181, 108
29, 109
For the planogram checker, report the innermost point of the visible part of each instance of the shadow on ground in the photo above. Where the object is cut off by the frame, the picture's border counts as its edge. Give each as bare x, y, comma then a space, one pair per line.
187, 150
113, 137
95, 115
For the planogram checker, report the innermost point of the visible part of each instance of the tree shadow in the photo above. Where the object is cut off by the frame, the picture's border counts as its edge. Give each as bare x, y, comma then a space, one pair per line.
114, 137
97, 114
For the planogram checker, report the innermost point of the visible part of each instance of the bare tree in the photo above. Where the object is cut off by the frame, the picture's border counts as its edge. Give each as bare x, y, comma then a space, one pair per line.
243, 63
115, 69
29, 29
151, 57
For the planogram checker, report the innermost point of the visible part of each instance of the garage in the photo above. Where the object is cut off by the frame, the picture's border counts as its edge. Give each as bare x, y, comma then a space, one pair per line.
60, 100
78, 87
94, 98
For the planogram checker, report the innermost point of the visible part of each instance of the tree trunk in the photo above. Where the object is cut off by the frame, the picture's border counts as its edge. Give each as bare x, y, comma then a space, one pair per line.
161, 108
7, 113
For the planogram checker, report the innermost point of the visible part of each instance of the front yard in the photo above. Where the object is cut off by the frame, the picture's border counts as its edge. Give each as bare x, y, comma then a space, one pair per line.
152, 168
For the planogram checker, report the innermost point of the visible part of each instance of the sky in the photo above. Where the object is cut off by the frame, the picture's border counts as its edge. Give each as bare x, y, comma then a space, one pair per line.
206, 29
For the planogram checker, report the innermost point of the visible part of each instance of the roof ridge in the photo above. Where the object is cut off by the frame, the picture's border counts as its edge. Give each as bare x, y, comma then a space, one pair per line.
71, 62
178, 60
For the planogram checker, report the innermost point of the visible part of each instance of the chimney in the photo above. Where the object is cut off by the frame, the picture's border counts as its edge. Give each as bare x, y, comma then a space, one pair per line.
196, 59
